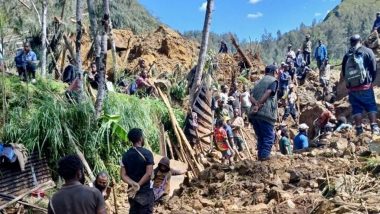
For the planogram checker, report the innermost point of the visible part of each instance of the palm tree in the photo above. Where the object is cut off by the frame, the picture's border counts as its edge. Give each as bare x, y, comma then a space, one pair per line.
203, 52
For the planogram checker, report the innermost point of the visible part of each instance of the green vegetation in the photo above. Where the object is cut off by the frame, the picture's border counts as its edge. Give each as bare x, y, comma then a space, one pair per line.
40, 117
346, 19
128, 14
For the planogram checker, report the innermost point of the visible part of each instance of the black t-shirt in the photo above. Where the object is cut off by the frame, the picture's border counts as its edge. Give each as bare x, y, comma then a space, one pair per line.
75, 199
135, 164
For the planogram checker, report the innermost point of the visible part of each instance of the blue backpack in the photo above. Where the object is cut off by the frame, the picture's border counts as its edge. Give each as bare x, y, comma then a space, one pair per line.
18, 59
133, 88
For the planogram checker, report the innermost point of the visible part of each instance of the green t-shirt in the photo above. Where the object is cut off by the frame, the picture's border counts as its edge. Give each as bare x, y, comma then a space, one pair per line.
285, 146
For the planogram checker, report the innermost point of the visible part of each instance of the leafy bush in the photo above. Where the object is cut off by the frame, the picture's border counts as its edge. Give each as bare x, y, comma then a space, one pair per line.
48, 123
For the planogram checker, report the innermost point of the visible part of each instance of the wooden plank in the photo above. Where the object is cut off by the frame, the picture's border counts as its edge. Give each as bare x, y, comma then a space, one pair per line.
201, 114
204, 106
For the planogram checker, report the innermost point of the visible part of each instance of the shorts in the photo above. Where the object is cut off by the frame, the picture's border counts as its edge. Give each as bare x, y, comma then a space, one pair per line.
239, 143
362, 100
246, 110
142, 203
227, 154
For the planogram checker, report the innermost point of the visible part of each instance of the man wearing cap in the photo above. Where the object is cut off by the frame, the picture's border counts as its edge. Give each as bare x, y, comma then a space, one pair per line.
290, 53
263, 114
320, 54
301, 141
306, 49
376, 24
359, 73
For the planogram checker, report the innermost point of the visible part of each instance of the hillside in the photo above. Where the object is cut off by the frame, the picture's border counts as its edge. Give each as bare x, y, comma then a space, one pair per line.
348, 18
125, 14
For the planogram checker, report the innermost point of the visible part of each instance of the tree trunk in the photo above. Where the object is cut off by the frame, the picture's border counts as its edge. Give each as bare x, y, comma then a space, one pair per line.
102, 60
93, 23
79, 12
44, 38
203, 52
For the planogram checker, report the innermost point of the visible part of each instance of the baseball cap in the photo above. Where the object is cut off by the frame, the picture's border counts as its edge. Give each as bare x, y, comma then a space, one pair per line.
270, 69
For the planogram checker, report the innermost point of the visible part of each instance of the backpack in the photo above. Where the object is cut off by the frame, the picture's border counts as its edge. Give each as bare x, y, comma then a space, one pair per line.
18, 59
133, 88
355, 72
68, 74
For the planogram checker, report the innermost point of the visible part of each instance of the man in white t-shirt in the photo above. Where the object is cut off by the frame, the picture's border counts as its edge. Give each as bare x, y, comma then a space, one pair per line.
245, 102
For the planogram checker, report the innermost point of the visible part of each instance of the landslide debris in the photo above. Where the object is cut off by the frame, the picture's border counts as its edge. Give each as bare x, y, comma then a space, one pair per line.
319, 181
164, 48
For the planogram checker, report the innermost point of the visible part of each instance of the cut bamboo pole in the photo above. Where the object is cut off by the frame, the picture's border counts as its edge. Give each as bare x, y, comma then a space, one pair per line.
246, 143
181, 136
167, 140
49, 183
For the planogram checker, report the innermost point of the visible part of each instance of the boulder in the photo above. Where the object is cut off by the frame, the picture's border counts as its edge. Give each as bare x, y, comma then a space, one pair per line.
341, 144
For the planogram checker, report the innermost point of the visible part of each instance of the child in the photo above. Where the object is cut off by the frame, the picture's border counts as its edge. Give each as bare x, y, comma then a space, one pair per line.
221, 141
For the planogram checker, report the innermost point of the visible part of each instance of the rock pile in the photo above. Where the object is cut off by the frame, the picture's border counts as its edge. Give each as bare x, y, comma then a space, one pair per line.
327, 180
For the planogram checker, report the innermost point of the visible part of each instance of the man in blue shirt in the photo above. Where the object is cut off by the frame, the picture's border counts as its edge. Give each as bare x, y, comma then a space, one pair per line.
376, 24
320, 54
26, 63
301, 141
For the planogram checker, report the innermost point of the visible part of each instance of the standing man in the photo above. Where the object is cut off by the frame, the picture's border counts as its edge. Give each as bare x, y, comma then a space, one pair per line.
245, 102
136, 170
237, 123
306, 49
263, 115
376, 24
74, 197
290, 53
223, 47
359, 72
320, 54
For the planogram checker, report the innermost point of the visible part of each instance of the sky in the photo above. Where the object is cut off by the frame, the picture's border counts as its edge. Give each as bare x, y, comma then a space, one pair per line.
247, 18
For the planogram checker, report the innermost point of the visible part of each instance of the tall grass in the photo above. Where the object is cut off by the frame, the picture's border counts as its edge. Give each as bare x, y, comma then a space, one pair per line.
49, 124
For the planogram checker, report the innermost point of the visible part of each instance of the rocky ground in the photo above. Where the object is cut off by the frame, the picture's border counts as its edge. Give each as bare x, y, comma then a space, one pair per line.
341, 178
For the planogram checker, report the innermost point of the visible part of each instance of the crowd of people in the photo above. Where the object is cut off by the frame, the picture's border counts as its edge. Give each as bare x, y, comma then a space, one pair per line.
278, 89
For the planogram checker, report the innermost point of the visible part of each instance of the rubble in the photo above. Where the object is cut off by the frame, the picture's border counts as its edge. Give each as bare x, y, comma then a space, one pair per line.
164, 49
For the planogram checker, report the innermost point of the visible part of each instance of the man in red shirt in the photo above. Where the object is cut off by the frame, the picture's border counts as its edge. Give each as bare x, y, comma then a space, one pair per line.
326, 117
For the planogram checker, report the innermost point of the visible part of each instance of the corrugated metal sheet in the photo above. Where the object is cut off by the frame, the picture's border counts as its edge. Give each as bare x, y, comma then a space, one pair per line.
14, 182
